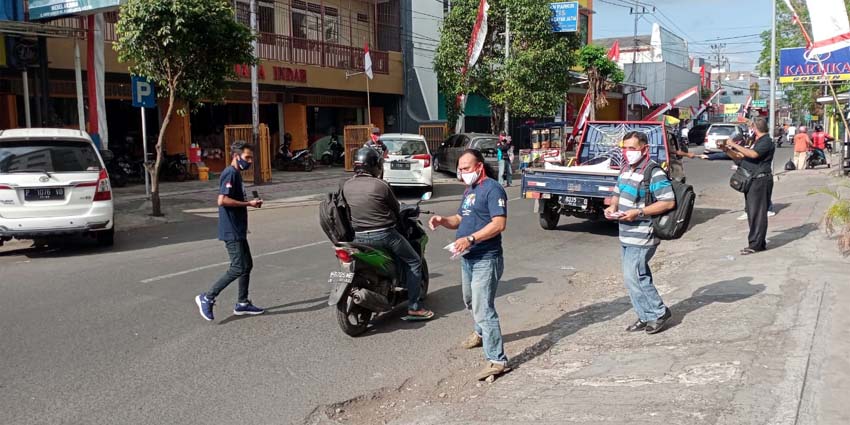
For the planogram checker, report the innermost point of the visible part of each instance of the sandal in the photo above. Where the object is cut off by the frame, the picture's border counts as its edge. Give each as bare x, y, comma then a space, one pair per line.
748, 251
421, 315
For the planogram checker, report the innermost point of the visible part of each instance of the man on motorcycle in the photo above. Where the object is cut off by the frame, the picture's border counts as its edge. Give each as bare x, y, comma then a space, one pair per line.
375, 142
819, 139
374, 217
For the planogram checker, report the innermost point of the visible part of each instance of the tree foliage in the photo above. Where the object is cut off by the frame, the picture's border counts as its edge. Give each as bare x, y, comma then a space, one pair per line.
602, 73
535, 77
188, 48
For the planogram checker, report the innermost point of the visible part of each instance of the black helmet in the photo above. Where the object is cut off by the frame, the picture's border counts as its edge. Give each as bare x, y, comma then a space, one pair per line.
368, 160
819, 128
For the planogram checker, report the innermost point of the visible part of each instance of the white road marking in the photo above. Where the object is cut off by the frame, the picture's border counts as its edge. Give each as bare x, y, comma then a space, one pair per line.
224, 263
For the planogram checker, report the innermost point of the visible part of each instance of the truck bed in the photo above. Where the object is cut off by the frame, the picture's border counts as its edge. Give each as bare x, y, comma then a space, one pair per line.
580, 182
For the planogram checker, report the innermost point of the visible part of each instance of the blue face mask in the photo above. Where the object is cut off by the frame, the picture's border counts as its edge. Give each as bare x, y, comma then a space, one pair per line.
243, 165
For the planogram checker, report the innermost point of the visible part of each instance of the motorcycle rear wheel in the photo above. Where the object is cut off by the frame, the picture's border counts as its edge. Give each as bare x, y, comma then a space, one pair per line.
308, 165
352, 319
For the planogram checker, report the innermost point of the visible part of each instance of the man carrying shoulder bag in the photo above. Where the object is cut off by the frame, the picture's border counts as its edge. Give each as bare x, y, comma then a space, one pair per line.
754, 178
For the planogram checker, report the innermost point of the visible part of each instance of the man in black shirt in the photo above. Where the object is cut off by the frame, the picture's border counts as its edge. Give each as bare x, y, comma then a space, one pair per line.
758, 160
374, 216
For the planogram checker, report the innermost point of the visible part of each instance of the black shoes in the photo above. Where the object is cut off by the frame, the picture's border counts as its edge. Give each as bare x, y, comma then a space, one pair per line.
636, 326
658, 325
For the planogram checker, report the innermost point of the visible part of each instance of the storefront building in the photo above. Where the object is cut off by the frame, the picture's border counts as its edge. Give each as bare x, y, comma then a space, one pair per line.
310, 78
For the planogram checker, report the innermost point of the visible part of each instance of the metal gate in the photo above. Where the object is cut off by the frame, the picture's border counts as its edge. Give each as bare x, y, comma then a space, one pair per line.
355, 136
434, 134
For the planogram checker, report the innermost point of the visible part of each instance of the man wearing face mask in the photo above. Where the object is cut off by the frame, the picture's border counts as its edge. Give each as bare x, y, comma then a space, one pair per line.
629, 205
480, 221
233, 230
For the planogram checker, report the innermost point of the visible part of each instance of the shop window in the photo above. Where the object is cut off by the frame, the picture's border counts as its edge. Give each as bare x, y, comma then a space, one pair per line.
738, 92
362, 17
584, 29
308, 22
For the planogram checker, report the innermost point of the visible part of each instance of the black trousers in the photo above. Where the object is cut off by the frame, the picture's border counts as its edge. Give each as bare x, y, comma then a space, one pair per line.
758, 201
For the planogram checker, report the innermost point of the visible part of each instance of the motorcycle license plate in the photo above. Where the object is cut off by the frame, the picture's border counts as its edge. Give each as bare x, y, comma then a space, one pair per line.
396, 165
574, 201
340, 278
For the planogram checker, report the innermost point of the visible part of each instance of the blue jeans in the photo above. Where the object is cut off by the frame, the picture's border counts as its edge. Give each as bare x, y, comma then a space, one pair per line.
395, 244
241, 264
645, 298
480, 278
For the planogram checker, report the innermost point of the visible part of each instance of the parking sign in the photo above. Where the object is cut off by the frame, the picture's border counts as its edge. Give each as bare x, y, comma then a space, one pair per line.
564, 16
143, 94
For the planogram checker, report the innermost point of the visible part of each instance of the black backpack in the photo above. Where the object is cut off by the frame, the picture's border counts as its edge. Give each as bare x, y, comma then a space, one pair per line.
674, 223
335, 217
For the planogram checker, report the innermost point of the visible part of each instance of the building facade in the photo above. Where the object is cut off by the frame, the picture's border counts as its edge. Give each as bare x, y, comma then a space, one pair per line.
310, 77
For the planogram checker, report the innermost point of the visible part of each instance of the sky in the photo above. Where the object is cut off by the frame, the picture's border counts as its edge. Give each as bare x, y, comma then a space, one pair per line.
700, 22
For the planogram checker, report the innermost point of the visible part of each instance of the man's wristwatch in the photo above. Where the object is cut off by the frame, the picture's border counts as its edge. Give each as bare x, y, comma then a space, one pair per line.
471, 239
641, 214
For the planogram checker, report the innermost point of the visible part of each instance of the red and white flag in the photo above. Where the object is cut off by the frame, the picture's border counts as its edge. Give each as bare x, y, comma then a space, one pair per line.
672, 103
705, 104
702, 76
367, 62
583, 113
644, 100
614, 51
830, 26
473, 51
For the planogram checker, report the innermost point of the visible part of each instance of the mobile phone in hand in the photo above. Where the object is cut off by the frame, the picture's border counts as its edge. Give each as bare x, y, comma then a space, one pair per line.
255, 194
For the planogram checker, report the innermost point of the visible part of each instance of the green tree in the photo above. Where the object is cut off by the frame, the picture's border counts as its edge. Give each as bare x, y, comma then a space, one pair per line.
602, 74
532, 81
188, 48
801, 96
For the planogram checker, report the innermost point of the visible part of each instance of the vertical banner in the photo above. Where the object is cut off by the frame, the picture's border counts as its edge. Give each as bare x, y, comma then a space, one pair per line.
473, 51
100, 73
830, 27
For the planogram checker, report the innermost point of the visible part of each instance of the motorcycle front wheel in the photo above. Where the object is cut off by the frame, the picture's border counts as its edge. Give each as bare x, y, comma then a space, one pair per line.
308, 165
352, 318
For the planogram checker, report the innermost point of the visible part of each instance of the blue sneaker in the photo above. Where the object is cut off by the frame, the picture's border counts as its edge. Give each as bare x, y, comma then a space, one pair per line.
205, 306
247, 308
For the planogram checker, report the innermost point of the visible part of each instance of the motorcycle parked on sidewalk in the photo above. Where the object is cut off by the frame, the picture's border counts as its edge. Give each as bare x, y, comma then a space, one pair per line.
300, 160
335, 154
175, 167
369, 282
117, 175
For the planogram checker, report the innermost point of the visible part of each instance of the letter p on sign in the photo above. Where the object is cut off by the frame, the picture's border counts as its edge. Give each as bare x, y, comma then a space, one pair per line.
143, 94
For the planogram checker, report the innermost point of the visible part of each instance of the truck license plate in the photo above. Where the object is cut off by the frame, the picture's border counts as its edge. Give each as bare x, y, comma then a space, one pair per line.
574, 201
340, 278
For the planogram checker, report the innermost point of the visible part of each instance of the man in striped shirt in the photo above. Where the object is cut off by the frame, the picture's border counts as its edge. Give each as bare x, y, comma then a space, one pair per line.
629, 205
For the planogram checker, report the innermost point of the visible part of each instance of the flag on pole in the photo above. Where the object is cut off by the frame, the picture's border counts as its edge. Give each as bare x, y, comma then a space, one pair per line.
702, 76
367, 62
644, 100
672, 103
583, 113
830, 27
614, 51
473, 51
796, 19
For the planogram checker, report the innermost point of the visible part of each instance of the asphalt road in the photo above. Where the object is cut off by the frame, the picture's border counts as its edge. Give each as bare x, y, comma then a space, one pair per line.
96, 336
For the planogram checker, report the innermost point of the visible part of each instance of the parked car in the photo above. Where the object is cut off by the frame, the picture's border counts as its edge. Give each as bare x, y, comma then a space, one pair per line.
450, 150
53, 183
408, 161
720, 131
696, 135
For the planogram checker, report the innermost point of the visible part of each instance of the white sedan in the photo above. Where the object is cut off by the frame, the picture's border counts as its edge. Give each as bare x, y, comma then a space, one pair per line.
407, 161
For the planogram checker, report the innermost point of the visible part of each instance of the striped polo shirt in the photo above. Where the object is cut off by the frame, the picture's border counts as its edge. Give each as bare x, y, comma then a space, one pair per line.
632, 194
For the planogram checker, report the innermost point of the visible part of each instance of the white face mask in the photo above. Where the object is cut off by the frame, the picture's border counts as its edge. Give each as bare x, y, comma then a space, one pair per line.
469, 178
634, 156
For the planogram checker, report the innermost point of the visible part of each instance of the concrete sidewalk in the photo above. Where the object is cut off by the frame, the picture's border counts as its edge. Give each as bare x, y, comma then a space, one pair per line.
760, 339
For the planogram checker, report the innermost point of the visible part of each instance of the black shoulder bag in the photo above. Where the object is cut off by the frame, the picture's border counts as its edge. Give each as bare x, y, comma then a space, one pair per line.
741, 179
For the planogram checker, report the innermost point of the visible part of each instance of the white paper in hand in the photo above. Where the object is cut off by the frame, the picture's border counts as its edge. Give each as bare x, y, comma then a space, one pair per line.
451, 248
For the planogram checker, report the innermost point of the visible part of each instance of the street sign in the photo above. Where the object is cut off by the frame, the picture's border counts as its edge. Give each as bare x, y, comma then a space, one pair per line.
143, 94
759, 103
564, 16
42, 9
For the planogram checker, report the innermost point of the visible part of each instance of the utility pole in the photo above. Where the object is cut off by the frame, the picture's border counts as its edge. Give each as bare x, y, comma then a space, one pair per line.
637, 11
772, 108
255, 99
507, 56
719, 60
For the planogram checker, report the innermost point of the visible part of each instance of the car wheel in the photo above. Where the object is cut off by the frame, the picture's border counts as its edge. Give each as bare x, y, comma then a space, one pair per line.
105, 237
